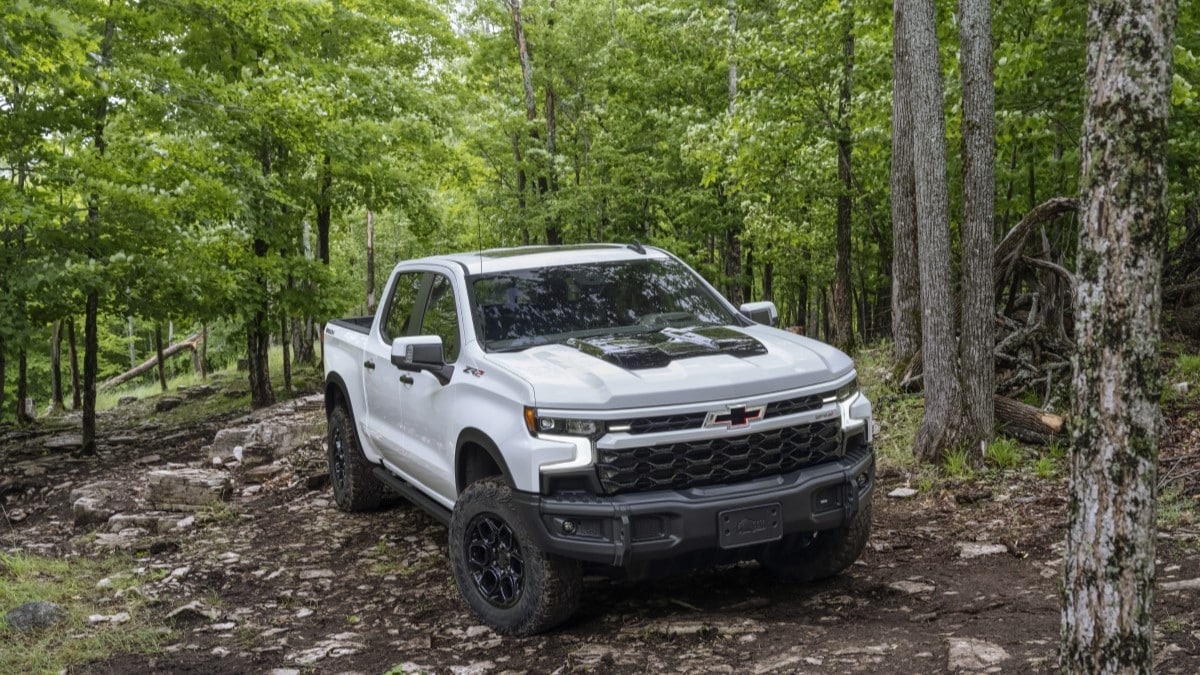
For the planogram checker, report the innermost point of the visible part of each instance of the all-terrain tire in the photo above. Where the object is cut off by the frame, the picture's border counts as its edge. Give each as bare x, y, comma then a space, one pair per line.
355, 488
507, 581
819, 555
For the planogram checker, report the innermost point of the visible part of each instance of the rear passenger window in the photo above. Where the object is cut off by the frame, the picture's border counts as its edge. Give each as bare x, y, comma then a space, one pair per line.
400, 307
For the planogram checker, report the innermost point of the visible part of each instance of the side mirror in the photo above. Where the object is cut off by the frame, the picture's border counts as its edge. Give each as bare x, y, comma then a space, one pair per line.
422, 352
761, 312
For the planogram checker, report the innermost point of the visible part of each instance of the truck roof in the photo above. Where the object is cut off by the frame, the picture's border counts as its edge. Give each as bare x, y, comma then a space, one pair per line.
495, 260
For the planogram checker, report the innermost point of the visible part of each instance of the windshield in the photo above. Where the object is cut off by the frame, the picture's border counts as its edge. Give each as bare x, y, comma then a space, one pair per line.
525, 308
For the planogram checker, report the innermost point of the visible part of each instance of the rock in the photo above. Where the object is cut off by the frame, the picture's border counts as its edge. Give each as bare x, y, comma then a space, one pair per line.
156, 523
17, 515
262, 474
186, 489
264, 441
36, 615
902, 493
1185, 585
193, 612
91, 510
970, 655
199, 391
66, 442
477, 668
967, 550
127, 538
167, 403
126, 400
316, 574
114, 619
148, 459
912, 587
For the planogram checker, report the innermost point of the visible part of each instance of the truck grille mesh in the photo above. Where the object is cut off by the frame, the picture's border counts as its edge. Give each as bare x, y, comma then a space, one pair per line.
728, 459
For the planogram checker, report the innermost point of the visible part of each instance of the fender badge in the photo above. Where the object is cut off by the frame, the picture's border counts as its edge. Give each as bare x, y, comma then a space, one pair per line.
473, 371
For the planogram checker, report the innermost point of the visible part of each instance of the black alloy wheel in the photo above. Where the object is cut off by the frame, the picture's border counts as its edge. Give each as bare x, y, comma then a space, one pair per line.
495, 560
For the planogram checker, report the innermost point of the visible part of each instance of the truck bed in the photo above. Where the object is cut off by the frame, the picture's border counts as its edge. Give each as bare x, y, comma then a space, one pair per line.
358, 324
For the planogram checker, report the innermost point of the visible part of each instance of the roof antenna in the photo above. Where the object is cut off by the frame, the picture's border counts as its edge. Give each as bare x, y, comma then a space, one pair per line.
637, 247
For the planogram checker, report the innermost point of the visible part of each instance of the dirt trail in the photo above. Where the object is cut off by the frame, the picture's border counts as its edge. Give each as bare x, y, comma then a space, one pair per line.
961, 581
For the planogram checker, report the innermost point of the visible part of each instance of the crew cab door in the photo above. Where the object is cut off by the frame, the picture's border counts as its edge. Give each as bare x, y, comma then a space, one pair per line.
427, 402
406, 410
381, 380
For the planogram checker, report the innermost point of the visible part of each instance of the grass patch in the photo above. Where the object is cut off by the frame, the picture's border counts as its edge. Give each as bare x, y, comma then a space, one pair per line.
1045, 467
72, 584
1003, 454
1176, 509
958, 465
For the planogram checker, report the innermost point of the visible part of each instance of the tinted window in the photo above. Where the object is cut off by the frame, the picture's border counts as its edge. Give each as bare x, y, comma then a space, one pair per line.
400, 310
441, 316
530, 307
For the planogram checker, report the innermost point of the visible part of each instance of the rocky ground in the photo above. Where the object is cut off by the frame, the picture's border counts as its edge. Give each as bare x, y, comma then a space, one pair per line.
243, 553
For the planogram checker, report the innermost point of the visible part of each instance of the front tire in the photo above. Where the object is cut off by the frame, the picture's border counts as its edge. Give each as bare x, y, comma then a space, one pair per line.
812, 556
507, 581
355, 488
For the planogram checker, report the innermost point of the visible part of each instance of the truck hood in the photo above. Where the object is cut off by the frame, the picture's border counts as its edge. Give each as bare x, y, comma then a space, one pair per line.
672, 367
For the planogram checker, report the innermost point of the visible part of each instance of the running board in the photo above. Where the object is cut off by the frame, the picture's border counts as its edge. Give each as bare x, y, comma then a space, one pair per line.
439, 512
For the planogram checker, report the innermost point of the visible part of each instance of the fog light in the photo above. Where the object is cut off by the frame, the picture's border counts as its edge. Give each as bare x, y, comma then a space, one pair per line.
568, 527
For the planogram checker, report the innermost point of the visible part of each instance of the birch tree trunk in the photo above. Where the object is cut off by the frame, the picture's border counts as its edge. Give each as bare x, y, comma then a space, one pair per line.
978, 338
1108, 587
906, 282
942, 425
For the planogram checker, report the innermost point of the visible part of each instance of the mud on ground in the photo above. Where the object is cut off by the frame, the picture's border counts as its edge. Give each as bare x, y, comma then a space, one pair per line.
963, 579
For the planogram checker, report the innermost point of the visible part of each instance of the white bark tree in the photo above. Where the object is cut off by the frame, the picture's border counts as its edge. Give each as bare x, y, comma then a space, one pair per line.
1108, 588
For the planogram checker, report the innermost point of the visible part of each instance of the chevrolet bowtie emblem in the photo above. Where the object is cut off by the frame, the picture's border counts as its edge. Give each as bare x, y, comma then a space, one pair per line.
735, 416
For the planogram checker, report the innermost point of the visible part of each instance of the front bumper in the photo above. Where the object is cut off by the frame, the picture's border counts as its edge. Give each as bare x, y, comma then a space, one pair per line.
626, 529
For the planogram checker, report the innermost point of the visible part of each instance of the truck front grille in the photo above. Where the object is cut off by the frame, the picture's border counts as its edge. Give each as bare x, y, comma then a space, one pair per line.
727, 459
655, 425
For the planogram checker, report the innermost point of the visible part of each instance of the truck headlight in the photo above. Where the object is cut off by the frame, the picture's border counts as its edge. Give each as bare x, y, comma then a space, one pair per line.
844, 393
558, 426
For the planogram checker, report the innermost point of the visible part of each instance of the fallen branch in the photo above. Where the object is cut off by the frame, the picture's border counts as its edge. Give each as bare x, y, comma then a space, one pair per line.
174, 349
1026, 422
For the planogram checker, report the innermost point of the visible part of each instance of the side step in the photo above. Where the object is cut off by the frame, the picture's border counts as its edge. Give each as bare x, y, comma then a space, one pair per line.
439, 512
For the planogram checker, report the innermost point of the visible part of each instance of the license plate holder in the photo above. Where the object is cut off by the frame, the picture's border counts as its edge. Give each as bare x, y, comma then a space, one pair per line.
749, 525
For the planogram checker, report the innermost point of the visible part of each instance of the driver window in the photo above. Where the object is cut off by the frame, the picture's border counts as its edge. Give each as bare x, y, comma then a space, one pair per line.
399, 315
441, 317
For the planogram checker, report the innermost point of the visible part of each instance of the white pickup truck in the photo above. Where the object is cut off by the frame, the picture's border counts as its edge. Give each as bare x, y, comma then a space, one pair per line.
598, 406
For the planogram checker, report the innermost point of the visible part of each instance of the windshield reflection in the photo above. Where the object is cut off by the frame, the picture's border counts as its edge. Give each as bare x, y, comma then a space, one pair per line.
524, 308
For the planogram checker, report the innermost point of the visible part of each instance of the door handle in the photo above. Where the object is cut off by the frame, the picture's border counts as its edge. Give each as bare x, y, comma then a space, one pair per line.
405, 379
369, 365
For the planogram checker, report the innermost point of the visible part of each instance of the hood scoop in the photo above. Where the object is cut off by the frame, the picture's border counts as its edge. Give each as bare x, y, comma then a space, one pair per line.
657, 349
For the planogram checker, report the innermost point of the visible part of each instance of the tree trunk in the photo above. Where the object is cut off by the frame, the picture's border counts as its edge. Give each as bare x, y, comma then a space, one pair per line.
370, 262
158, 351
150, 363
906, 282
204, 351
941, 426
3, 374
91, 340
1108, 585
324, 210
56, 380
90, 368
76, 395
285, 343
527, 83
553, 233
521, 180
978, 339
843, 313
132, 341
23, 412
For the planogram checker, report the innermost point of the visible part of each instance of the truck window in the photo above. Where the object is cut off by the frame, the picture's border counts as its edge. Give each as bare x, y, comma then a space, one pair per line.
441, 316
400, 310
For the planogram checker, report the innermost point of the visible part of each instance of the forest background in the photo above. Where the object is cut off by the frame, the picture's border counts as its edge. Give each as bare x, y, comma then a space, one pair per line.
217, 167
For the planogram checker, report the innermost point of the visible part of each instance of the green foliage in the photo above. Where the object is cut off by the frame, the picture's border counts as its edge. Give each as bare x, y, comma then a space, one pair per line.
959, 464
1003, 453
1045, 467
